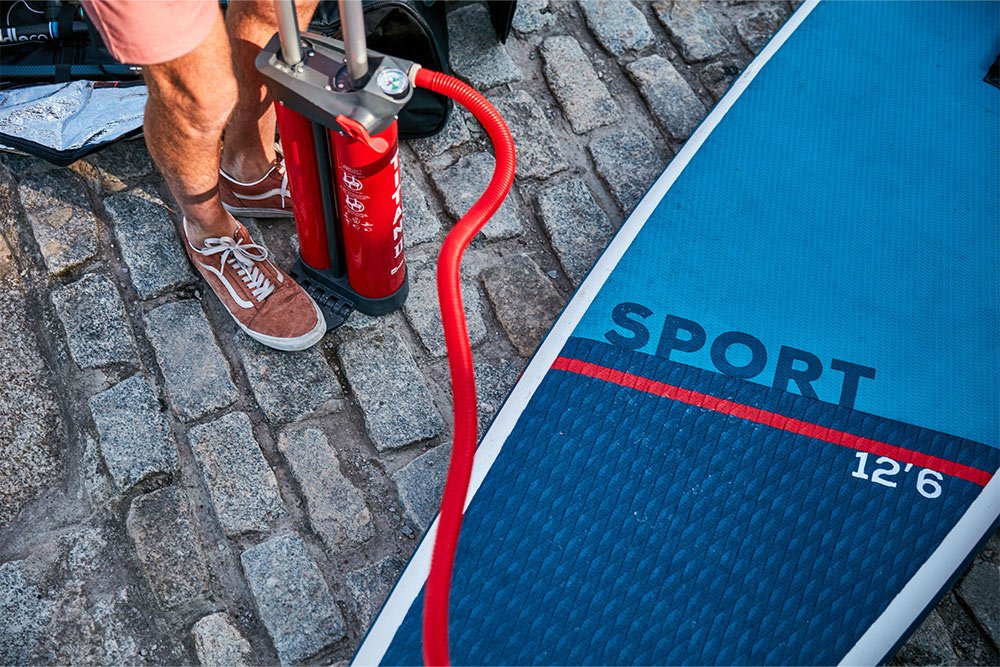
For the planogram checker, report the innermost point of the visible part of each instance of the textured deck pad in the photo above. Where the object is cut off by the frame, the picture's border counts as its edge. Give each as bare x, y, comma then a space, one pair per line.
766, 428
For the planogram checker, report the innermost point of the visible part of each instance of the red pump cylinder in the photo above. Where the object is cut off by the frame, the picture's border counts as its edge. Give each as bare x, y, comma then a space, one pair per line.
370, 207
298, 145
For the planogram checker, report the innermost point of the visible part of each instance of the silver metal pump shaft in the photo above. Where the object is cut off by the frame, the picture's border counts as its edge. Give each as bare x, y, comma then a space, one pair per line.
288, 32
352, 21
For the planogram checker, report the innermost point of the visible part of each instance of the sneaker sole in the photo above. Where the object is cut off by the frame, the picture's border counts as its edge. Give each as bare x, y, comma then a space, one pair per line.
303, 342
258, 212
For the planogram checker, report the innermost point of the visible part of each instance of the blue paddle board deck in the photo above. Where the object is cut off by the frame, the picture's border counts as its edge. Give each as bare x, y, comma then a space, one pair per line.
765, 429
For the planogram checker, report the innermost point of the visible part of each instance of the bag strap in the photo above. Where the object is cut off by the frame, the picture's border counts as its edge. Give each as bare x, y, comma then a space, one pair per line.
502, 17
66, 55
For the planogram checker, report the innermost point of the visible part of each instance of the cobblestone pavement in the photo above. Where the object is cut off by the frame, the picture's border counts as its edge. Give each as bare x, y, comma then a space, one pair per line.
172, 492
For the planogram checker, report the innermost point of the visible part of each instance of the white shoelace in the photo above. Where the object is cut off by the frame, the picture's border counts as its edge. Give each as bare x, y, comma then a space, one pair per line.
285, 192
243, 257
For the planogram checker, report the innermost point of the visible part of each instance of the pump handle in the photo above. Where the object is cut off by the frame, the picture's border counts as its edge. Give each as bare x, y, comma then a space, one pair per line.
352, 23
288, 32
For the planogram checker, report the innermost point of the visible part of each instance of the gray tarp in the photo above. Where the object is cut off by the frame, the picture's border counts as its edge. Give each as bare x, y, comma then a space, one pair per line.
70, 116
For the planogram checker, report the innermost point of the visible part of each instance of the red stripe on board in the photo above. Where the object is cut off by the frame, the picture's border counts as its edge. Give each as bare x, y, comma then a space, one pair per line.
773, 419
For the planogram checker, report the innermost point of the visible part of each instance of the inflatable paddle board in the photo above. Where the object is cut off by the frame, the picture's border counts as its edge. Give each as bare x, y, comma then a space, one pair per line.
765, 429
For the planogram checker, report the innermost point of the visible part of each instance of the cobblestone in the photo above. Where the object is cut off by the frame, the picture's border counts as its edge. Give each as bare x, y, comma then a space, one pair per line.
668, 95
24, 615
359, 321
370, 585
980, 590
218, 642
337, 509
718, 76
617, 25
289, 386
538, 156
419, 224
532, 15
578, 227
454, 133
243, 488
97, 490
584, 99
461, 185
628, 185
97, 327
929, 645
424, 313
135, 441
99, 616
116, 167
65, 227
475, 54
196, 375
525, 301
494, 380
165, 537
476, 130
384, 377
24, 165
29, 440
420, 484
148, 242
293, 599
691, 26
756, 29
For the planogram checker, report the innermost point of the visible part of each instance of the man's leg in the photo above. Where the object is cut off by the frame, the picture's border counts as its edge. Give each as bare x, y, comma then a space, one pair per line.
249, 141
190, 100
192, 92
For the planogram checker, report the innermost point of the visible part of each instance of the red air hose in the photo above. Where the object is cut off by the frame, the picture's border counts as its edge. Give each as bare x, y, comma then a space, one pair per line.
456, 338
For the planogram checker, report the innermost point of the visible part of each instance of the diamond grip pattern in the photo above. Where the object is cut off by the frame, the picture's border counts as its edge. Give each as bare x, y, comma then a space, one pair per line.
619, 527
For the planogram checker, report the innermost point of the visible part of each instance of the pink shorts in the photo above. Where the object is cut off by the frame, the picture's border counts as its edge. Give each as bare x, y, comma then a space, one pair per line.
149, 32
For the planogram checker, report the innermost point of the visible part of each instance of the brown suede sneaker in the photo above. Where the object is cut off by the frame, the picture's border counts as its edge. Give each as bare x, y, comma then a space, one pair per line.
267, 197
266, 303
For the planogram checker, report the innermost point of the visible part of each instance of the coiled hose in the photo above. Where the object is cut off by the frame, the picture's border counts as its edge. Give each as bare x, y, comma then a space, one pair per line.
456, 338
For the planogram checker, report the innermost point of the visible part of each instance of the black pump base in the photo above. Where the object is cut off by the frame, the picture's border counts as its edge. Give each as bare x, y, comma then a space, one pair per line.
337, 299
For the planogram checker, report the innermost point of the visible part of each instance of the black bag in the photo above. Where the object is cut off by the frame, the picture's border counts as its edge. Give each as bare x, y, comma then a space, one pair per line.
53, 42
47, 45
415, 30
412, 29
502, 17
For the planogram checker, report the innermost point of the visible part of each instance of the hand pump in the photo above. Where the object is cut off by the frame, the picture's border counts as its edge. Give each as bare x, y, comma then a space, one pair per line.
337, 104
